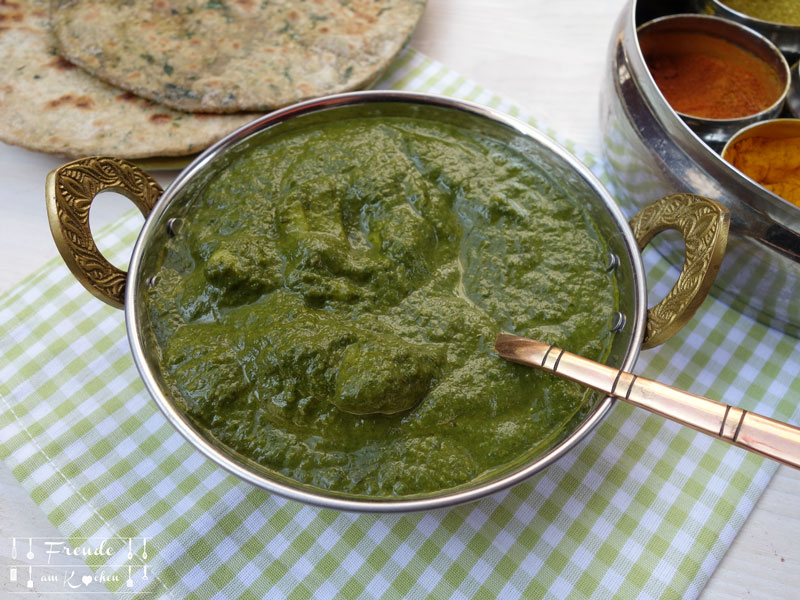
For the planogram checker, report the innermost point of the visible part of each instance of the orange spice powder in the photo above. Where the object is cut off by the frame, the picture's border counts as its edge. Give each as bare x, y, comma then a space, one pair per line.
772, 162
708, 77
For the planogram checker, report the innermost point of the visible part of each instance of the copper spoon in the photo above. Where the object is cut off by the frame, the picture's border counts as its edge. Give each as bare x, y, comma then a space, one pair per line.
762, 435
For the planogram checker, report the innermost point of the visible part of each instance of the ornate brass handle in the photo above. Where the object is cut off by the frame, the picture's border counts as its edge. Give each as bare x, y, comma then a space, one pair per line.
762, 435
704, 225
70, 190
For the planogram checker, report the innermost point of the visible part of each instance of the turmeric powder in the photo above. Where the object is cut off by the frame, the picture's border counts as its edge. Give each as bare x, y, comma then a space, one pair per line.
772, 162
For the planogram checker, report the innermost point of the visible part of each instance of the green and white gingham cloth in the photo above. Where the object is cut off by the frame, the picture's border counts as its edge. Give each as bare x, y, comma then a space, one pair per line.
643, 508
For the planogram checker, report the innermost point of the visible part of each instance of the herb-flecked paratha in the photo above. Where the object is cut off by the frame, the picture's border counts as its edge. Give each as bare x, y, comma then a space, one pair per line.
227, 56
49, 105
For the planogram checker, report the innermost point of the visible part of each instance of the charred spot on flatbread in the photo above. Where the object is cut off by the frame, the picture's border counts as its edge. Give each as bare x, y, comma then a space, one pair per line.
60, 63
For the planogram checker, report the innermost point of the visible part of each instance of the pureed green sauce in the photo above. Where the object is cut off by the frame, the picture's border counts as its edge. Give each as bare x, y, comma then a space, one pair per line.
330, 309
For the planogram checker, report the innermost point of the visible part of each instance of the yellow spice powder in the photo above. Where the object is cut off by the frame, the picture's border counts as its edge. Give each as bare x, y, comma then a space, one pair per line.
772, 162
776, 11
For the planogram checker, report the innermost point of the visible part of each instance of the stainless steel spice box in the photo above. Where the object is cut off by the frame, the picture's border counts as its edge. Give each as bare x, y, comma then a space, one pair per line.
650, 151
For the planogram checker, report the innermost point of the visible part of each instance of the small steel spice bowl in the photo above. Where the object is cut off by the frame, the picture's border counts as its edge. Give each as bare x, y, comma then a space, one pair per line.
715, 132
774, 129
785, 37
71, 189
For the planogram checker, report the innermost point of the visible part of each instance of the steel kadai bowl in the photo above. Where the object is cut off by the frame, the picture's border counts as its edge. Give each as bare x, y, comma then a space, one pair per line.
71, 188
651, 151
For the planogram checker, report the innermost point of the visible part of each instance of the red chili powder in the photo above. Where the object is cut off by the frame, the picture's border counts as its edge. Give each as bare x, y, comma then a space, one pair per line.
707, 77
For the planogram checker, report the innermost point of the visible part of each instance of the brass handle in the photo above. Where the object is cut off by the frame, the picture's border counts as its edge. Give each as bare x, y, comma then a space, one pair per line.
69, 191
704, 225
762, 435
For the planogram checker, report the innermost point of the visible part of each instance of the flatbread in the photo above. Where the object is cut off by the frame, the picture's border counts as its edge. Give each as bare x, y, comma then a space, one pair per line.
226, 55
49, 105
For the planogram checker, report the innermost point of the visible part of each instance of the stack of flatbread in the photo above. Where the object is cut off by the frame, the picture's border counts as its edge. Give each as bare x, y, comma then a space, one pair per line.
146, 78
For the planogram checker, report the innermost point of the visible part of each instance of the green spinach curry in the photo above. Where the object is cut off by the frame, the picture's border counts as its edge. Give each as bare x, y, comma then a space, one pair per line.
331, 308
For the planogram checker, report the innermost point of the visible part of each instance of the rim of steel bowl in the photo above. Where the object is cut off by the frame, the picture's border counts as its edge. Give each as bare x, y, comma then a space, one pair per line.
348, 502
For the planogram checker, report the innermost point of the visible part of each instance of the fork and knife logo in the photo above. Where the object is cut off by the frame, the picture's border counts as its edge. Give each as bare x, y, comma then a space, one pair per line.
12, 574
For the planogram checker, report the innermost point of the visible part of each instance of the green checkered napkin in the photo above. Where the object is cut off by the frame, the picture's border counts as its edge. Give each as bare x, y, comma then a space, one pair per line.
642, 508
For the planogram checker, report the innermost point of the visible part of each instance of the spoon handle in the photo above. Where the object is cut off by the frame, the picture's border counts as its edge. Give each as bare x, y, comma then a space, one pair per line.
762, 435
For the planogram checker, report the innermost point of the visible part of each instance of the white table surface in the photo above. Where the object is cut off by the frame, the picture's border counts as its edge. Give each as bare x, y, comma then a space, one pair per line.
549, 56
